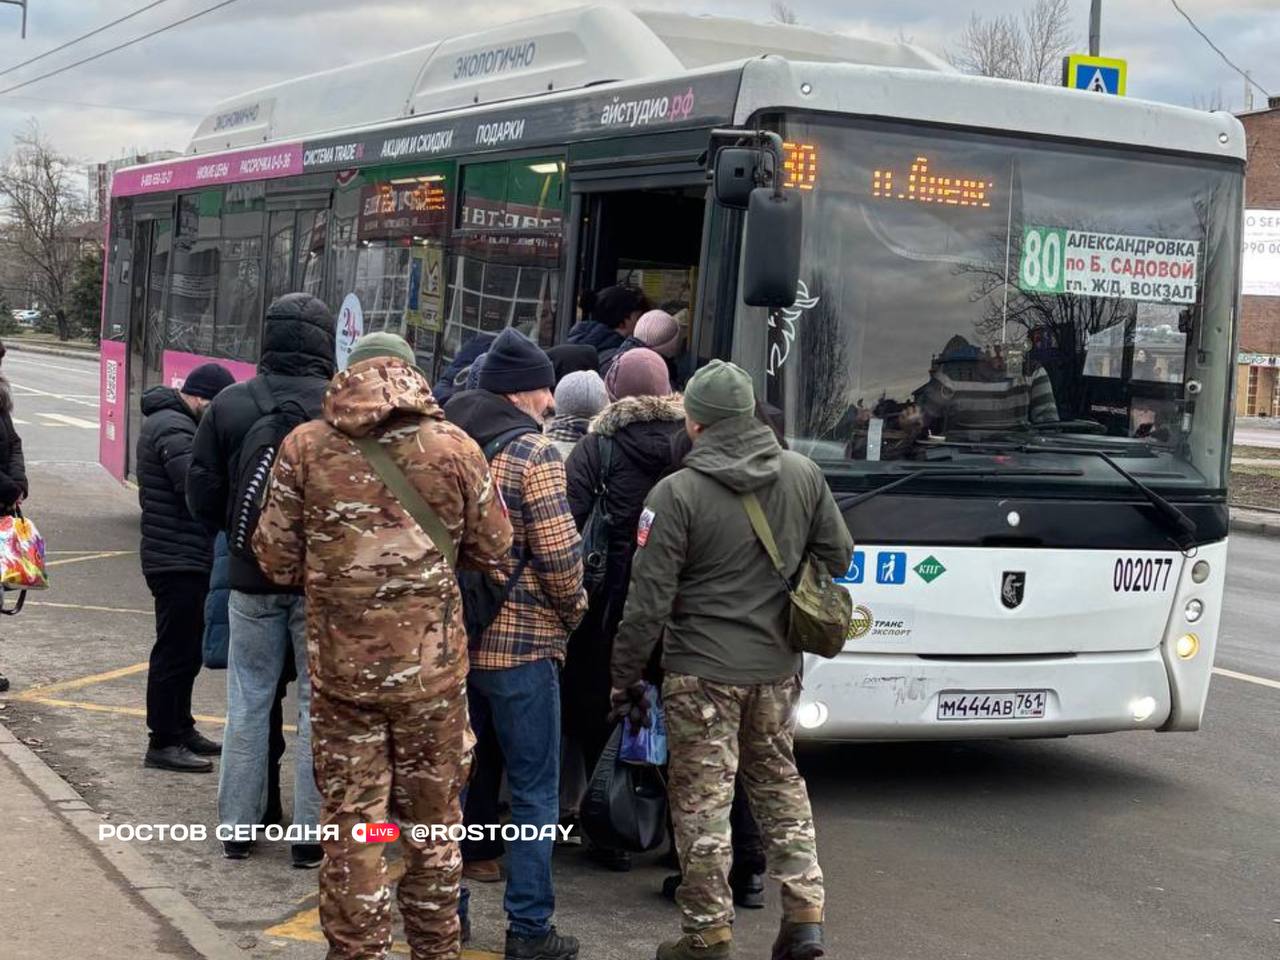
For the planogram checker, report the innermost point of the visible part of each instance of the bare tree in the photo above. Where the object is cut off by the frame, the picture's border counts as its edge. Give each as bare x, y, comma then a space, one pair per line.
783, 12
41, 200
1027, 47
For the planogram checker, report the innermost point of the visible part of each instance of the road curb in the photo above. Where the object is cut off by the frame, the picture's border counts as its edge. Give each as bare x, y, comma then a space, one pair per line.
1256, 526
139, 876
50, 351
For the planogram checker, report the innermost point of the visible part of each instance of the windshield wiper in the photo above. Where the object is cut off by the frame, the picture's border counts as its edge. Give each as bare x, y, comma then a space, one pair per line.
1174, 520
967, 473
1178, 523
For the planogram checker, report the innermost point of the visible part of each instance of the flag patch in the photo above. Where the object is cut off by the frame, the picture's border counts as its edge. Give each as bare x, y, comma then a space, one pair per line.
646, 524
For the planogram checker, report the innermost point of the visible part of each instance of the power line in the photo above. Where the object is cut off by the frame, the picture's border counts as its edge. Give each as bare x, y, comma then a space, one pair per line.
1225, 59
117, 47
110, 106
83, 36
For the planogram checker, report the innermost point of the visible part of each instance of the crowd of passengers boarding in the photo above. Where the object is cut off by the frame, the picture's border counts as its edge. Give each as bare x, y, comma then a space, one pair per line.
414, 559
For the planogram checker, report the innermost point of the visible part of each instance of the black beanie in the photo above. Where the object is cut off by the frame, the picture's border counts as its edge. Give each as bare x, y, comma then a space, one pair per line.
207, 381
514, 364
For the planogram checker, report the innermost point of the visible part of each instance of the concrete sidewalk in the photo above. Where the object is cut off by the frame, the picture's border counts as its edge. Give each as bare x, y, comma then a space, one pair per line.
62, 894
1261, 522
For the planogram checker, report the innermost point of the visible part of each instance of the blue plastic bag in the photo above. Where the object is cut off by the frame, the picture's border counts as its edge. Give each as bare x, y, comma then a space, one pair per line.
646, 744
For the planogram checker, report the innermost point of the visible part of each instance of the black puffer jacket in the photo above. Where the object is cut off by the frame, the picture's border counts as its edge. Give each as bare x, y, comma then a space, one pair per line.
13, 468
173, 541
595, 334
297, 363
641, 430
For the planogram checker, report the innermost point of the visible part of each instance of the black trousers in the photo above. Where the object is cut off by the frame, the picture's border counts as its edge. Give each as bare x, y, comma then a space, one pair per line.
176, 657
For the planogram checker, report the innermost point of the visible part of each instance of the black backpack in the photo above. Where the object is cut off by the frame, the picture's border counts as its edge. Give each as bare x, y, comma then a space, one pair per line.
257, 456
596, 531
482, 598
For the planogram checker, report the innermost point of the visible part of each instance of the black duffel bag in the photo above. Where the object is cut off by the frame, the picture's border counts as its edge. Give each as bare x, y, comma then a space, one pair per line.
626, 803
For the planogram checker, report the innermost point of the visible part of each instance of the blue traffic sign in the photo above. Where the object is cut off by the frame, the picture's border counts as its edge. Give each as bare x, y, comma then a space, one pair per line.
1095, 74
891, 567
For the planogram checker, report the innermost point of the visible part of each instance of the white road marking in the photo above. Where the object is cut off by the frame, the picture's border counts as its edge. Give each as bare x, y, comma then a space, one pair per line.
21, 423
55, 396
1247, 678
62, 418
86, 371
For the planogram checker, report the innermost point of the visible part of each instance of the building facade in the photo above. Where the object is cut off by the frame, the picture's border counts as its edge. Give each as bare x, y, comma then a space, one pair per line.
1258, 373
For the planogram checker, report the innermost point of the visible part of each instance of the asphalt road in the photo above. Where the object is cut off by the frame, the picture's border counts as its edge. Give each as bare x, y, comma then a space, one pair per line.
1128, 846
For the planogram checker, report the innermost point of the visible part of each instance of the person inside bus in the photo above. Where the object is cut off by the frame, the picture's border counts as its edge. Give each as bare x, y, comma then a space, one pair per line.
177, 557
268, 623
13, 468
614, 316
657, 330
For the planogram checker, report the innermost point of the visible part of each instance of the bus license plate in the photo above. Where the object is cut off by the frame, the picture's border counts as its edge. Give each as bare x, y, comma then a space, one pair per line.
979, 705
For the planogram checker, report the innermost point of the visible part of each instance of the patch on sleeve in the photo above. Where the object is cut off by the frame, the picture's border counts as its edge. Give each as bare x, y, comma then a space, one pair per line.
646, 524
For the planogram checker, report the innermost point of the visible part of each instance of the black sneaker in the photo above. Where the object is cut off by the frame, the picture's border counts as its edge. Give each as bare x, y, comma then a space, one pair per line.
237, 849
307, 856
201, 745
619, 861
549, 946
4, 683
176, 758
748, 888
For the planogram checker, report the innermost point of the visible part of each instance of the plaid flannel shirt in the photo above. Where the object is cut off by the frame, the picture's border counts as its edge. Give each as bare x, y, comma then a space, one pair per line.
549, 600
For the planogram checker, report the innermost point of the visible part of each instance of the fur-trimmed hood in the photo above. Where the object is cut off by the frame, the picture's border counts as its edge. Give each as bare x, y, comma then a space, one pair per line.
631, 410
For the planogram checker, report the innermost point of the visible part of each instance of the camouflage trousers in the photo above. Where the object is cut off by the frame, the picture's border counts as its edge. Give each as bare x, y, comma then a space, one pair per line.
407, 762
714, 732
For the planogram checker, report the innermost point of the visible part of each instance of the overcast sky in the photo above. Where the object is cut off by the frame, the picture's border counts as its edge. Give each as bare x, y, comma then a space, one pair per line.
179, 74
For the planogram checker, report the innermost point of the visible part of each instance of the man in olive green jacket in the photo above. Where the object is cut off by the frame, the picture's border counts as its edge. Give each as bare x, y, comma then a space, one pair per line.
703, 584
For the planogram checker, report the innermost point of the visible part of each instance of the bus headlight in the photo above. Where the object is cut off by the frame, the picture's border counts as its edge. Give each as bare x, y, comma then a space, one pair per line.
1200, 571
1142, 708
812, 715
1194, 610
1187, 646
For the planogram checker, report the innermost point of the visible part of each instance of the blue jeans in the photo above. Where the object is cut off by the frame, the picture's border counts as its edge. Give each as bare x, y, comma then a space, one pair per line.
523, 705
265, 628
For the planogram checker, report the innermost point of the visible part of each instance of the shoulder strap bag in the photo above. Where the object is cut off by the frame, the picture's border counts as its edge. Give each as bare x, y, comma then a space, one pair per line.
820, 610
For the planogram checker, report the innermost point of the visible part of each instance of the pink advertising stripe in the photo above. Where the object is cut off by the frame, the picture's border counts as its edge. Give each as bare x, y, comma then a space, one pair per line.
112, 404
178, 366
260, 163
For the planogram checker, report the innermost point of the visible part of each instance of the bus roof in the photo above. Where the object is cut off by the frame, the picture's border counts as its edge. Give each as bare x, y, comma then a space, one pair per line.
526, 58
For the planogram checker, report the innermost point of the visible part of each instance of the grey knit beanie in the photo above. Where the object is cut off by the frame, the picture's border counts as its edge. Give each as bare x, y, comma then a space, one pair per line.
718, 391
581, 394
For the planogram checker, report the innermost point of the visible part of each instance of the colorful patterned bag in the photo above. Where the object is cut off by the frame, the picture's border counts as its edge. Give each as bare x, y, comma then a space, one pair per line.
21, 560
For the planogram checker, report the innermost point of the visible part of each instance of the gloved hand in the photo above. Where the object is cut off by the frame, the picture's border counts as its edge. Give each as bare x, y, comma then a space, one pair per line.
631, 704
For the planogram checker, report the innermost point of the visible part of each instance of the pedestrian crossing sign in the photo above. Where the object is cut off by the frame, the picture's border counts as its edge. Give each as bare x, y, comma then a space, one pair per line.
1095, 74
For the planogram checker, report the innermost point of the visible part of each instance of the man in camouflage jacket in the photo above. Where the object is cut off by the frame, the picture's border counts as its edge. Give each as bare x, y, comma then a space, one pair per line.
386, 637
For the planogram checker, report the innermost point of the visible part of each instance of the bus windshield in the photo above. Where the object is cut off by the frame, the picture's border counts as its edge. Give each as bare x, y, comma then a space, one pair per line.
962, 289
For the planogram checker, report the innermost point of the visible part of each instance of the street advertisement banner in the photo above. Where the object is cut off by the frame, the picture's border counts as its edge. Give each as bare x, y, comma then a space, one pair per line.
1260, 274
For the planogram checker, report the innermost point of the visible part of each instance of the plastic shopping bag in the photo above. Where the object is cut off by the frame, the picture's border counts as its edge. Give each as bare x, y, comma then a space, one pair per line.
21, 560
646, 744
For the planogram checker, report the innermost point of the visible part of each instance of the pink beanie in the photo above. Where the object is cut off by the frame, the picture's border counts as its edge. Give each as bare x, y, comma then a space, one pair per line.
659, 331
638, 373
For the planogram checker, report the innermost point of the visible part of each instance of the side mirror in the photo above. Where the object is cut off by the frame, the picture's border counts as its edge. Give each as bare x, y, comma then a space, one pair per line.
771, 249
736, 175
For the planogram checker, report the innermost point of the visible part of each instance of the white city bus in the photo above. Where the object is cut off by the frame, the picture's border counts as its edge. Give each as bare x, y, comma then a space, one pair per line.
1010, 348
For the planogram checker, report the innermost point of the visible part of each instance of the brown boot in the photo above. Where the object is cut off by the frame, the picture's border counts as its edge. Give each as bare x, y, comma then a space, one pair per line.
715, 943
483, 871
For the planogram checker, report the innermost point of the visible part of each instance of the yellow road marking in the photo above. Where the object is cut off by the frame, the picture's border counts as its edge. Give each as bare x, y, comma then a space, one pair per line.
64, 685
104, 555
32, 696
86, 606
1247, 678
304, 926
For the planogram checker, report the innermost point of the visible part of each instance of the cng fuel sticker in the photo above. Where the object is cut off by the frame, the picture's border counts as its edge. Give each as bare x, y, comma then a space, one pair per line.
1058, 260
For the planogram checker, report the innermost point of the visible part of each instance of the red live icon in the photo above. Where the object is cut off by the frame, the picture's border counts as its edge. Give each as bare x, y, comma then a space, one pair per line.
375, 832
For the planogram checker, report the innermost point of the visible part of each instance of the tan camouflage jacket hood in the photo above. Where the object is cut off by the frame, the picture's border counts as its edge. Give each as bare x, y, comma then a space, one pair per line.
373, 391
384, 615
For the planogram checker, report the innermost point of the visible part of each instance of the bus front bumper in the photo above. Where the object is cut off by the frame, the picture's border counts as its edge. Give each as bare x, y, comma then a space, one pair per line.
888, 697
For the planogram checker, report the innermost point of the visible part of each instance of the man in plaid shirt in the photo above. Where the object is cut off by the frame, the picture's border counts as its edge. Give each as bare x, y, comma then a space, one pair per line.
514, 682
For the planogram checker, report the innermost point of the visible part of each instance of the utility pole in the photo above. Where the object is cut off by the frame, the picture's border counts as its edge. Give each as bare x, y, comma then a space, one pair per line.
1095, 27
23, 5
